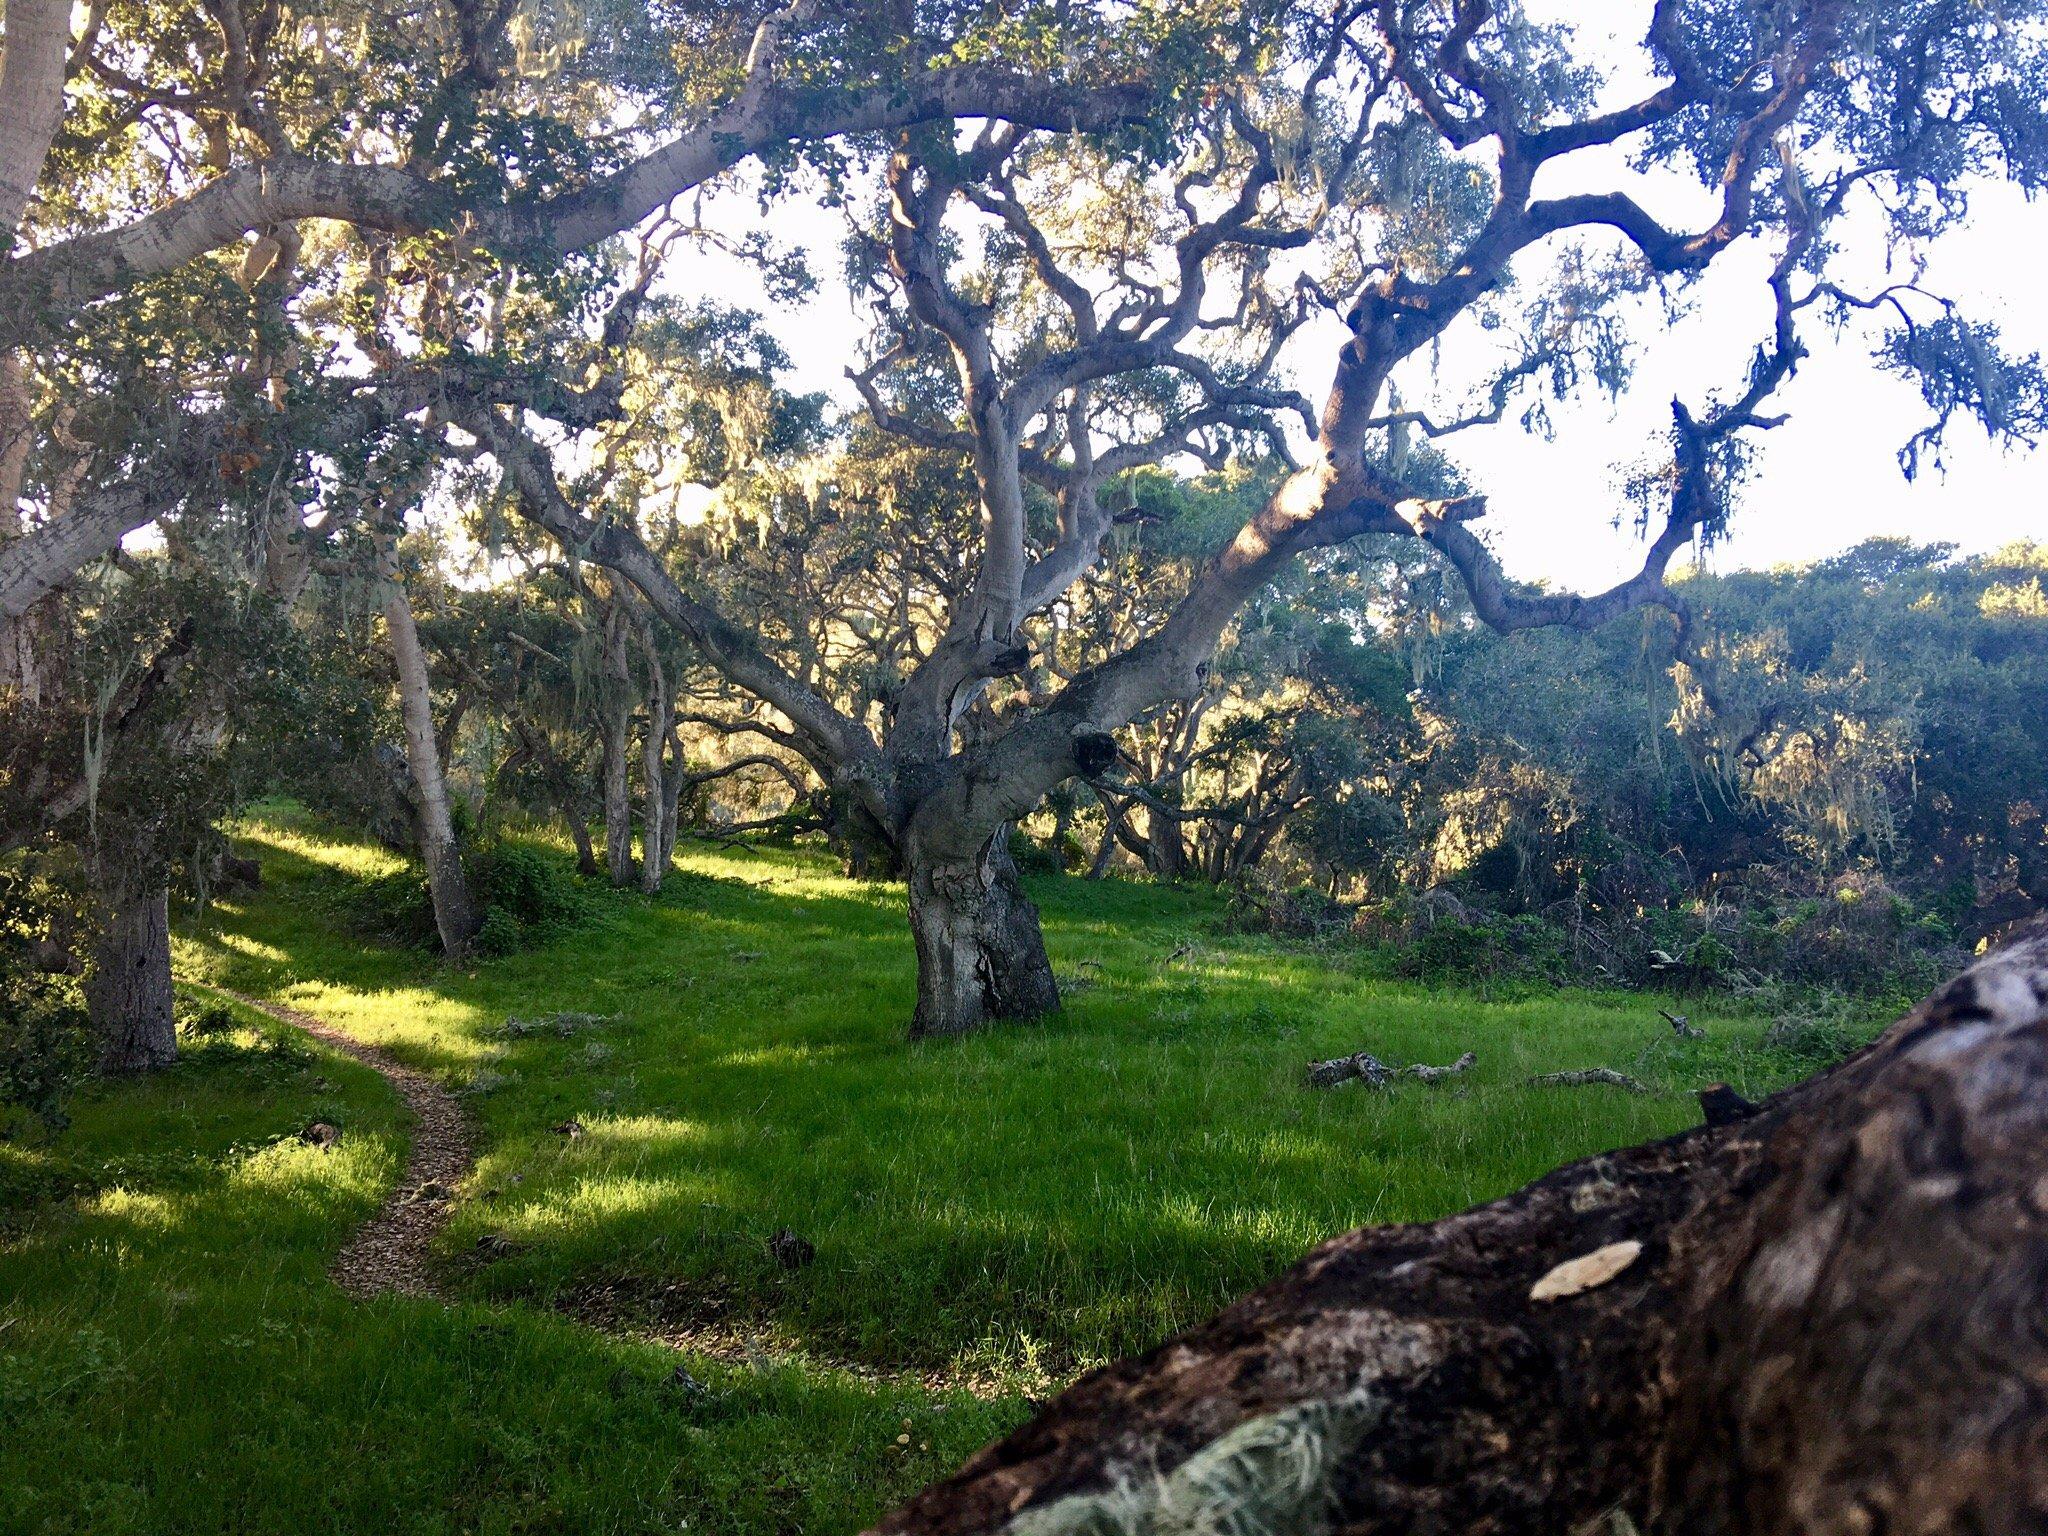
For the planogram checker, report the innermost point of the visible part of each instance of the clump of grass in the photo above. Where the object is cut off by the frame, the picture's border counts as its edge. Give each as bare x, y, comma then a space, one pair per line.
1815, 1041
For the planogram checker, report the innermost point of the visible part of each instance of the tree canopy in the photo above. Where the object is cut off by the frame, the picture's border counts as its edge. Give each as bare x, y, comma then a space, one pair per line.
1134, 480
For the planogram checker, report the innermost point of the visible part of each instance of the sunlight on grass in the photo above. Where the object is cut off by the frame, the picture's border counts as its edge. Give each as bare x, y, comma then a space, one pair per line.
358, 858
1007, 1209
255, 949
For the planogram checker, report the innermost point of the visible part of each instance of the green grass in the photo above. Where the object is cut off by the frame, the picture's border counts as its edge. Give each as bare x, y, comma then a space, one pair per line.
994, 1212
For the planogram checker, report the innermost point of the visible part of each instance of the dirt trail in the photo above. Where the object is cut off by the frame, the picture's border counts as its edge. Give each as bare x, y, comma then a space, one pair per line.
391, 1251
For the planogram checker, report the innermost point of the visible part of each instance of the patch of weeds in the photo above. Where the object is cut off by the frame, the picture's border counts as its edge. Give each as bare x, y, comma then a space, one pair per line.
202, 1021
1814, 1041
560, 1025
46, 1050
1267, 1019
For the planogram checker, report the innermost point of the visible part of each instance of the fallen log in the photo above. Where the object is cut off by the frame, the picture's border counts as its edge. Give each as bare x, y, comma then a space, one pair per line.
1376, 1073
1823, 1318
1587, 1077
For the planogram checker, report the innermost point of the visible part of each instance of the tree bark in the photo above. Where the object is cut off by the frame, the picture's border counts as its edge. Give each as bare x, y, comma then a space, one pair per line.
31, 107
20, 669
31, 100
1166, 851
455, 914
1820, 1319
658, 795
128, 992
653, 803
579, 832
615, 726
980, 954
672, 787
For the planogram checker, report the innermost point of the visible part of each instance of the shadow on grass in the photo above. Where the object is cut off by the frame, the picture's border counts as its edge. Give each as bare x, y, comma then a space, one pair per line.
1033, 1198
173, 1359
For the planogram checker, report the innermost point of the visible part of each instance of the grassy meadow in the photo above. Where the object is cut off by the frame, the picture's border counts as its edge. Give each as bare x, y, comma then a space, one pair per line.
989, 1216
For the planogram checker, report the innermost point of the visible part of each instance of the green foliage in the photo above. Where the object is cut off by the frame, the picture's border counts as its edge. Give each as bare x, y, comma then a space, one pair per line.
183, 688
1300, 911
1489, 947
46, 1047
205, 1020
1041, 858
1867, 724
527, 895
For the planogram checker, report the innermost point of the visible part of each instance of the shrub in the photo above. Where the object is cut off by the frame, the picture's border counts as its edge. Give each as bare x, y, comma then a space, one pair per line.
1853, 935
1482, 946
536, 891
1814, 1042
46, 1043
201, 1021
46, 1049
527, 897
1299, 912
1033, 857
498, 934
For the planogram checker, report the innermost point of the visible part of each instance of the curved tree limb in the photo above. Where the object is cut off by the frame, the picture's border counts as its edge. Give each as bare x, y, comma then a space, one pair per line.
830, 741
39, 289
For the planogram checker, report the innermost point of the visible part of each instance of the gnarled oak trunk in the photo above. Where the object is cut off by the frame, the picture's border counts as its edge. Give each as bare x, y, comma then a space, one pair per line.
980, 954
1823, 1318
1166, 850
128, 992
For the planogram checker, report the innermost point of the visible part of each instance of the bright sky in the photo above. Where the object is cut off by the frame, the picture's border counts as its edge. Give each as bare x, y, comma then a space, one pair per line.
1825, 480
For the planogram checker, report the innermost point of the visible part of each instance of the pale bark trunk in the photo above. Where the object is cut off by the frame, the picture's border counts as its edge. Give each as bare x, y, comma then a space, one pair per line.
980, 954
618, 798
615, 728
31, 106
1105, 850
128, 992
1816, 1317
19, 668
31, 100
656, 834
455, 913
653, 865
678, 778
